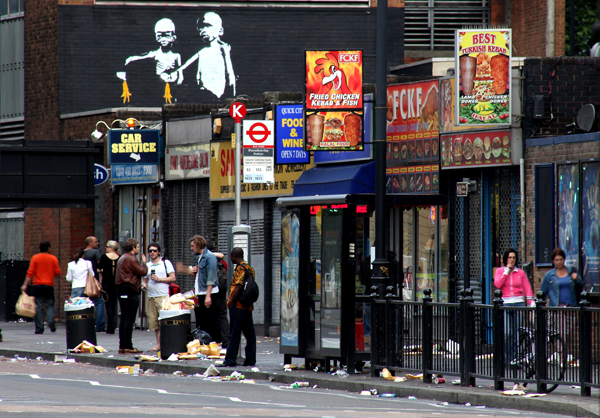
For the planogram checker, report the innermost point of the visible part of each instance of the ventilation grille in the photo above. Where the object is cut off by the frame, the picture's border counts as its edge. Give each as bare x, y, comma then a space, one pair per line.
431, 24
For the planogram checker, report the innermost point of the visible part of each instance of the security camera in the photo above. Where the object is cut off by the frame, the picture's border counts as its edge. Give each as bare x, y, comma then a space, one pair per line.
97, 136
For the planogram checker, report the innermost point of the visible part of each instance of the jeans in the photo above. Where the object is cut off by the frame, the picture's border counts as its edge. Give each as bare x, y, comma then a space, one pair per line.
206, 318
512, 321
44, 295
220, 306
77, 292
241, 321
129, 306
100, 315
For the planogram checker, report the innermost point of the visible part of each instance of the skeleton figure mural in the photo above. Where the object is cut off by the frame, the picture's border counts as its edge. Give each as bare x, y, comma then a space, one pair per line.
166, 59
215, 70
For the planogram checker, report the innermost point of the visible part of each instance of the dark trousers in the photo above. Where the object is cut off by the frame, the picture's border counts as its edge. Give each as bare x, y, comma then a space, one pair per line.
129, 306
206, 318
222, 321
241, 321
44, 295
111, 311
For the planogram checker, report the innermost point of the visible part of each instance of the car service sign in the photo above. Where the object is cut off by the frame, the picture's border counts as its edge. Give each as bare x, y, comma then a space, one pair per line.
259, 151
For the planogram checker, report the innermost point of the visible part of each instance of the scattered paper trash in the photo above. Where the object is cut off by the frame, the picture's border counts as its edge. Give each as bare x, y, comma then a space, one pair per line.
444, 404
149, 358
387, 395
400, 379
341, 373
387, 375
512, 392
456, 382
255, 369
211, 371
178, 373
59, 359
135, 369
413, 376
149, 371
468, 404
366, 393
290, 366
251, 381
534, 395
173, 357
412, 397
236, 376
39, 358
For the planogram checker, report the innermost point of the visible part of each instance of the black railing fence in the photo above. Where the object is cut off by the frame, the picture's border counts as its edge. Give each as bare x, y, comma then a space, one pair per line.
545, 346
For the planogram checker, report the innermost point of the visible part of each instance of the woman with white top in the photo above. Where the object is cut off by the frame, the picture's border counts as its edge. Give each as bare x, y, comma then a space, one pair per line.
77, 273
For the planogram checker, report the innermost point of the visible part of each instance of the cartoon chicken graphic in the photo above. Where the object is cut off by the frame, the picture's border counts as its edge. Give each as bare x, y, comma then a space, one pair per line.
334, 79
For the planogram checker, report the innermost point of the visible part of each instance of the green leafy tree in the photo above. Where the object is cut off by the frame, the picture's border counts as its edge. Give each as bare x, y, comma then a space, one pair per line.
586, 13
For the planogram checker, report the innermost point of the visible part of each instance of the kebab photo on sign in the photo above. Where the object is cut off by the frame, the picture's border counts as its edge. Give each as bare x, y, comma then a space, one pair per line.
484, 62
334, 131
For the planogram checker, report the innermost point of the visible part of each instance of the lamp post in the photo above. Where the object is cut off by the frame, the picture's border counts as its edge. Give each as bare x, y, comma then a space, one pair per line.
380, 265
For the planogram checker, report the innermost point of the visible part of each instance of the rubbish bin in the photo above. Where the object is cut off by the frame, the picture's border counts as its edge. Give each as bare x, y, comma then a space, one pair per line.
175, 331
81, 324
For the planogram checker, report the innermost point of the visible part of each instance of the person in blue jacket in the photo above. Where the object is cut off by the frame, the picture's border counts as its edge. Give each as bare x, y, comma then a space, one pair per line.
560, 283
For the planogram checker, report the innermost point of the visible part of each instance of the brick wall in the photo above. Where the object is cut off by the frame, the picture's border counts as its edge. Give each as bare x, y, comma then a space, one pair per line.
41, 70
66, 229
528, 22
566, 84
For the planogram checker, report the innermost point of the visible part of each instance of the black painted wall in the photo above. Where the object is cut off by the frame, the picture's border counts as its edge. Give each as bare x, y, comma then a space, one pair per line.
267, 50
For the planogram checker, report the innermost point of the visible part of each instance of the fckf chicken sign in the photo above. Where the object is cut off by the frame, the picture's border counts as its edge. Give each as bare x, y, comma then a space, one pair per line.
483, 84
334, 101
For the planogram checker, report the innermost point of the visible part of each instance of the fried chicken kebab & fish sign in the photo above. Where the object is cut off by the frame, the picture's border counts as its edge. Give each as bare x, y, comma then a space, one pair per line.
334, 101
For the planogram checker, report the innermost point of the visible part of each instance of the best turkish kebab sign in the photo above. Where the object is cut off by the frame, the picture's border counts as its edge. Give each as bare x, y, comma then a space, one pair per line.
483, 84
334, 100
133, 147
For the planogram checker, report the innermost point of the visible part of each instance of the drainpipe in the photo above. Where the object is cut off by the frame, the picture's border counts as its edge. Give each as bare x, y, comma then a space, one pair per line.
523, 242
551, 28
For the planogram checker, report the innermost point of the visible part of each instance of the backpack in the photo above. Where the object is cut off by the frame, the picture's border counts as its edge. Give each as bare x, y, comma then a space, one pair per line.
221, 278
250, 291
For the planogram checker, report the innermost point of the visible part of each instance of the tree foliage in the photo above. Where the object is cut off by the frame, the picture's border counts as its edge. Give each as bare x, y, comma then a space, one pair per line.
586, 14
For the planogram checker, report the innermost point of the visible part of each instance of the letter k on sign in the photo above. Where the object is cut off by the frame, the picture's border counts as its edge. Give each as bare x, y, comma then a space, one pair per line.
237, 111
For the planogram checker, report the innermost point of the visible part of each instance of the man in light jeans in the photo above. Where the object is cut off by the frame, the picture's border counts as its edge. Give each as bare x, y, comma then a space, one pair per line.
160, 274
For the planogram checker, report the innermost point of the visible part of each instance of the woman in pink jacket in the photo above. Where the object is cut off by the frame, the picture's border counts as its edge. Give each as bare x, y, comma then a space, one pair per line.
515, 287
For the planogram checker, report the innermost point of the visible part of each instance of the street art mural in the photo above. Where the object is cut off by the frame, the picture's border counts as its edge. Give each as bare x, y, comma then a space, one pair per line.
148, 56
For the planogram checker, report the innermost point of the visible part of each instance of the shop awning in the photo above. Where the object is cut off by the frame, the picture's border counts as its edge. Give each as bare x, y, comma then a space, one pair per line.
337, 180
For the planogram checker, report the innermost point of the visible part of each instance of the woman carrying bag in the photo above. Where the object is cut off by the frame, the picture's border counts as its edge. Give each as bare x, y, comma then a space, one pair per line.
77, 273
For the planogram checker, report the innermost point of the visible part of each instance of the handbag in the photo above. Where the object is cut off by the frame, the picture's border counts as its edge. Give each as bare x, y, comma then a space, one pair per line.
25, 305
93, 289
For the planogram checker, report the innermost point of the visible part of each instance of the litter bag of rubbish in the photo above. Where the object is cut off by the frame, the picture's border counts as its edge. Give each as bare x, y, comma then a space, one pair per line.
203, 336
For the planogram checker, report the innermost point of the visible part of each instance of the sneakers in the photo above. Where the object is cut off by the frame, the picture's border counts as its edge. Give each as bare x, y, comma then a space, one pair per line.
520, 386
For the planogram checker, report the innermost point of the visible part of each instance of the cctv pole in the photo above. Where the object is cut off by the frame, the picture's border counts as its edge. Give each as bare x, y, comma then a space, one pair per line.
380, 264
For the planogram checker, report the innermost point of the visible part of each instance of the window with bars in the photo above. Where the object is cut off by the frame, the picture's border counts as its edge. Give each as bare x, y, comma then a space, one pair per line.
11, 7
430, 24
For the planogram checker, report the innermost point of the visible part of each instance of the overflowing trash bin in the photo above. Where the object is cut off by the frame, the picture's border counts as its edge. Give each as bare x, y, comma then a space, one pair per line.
175, 331
80, 322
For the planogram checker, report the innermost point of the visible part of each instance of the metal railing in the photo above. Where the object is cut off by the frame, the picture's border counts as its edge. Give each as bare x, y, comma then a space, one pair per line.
546, 346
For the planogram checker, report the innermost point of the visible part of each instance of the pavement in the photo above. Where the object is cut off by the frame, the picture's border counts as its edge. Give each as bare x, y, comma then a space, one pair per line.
20, 340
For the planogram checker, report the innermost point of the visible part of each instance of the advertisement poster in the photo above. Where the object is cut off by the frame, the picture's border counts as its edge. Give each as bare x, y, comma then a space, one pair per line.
333, 156
190, 162
448, 106
419, 179
334, 131
483, 63
590, 200
334, 80
483, 149
290, 267
412, 123
568, 212
222, 178
289, 135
